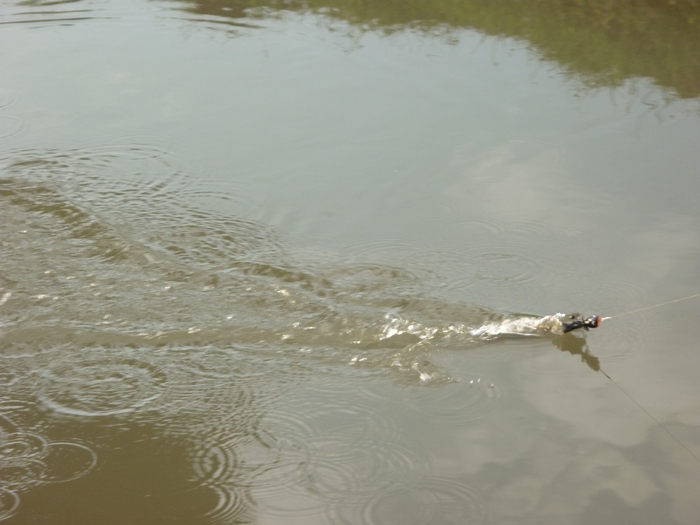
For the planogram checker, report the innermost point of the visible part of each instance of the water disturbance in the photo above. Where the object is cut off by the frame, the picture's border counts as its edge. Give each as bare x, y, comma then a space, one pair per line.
304, 263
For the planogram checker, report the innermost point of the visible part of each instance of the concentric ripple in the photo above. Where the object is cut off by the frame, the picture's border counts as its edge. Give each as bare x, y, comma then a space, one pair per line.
18, 416
318, 476
29, 459
100, 382
22, 474
67, 461
214, 463
9, 502
215, 505
454, 263
341, 451
22, 445
146, 192
355, 472
501, 268
443, 500
379, 250
185, 477
24, 465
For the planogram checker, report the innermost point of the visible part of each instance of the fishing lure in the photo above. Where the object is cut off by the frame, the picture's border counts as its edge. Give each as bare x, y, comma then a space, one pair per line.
549, 325
572, 322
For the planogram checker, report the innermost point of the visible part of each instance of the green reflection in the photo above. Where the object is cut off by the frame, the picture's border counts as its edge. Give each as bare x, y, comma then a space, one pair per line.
599, 42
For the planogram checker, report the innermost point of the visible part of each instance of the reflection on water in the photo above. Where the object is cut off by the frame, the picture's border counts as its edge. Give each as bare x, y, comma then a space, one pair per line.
601, 42
277, 320
578, 346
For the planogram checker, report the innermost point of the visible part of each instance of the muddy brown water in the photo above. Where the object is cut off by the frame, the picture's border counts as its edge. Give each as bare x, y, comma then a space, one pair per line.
243, 248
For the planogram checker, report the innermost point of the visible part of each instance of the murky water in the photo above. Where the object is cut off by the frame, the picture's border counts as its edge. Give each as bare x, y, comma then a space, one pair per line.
248, 254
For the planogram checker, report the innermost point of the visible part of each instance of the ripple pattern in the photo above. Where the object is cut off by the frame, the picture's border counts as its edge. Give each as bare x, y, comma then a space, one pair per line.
147, 310
443, 500
145, 188
504, 267
29, 459
21, 445
67, 461
9, 502
343, 451
100, 382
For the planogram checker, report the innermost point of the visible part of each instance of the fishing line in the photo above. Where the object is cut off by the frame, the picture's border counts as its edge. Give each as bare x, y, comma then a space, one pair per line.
650, 307
652, 417
625, 392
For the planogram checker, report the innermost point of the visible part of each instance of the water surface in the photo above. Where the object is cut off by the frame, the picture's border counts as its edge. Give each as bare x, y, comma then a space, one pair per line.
244, 249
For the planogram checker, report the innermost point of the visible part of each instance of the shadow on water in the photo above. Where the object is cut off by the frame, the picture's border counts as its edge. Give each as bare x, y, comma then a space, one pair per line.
598, 42
577, 346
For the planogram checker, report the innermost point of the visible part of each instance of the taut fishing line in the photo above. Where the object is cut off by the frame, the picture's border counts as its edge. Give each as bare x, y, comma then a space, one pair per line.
652, 417
625, 392
650, 307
